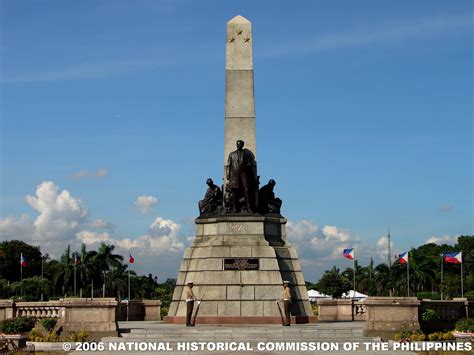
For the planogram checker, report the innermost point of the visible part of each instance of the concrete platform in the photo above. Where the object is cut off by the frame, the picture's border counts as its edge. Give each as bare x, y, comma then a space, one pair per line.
335, 334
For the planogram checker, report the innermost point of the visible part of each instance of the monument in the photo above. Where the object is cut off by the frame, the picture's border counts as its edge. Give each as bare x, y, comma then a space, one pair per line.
240, 255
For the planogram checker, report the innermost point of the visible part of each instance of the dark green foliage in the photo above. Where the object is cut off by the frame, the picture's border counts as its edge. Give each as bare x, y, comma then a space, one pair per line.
165, 293
333, 283
17, 325
429, 315
10, 260
425, 273
465, 325
48, 323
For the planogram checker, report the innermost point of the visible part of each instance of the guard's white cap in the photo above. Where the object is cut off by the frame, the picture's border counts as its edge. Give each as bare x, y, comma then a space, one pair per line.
286, 282
190, 282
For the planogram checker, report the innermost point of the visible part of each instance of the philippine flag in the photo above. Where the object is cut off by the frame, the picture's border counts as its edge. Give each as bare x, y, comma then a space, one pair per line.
131, 259
403, 258
22, 260
455, 258
348, 253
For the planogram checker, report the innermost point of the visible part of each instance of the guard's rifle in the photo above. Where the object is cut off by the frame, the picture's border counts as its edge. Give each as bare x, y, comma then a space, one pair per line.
197, 310
281, 313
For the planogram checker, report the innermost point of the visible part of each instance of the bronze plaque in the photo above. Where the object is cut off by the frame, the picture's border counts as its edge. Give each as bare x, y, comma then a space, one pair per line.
241, 264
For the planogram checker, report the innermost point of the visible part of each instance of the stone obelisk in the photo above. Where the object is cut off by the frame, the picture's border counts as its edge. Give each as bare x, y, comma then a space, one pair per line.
239, 95
238, 261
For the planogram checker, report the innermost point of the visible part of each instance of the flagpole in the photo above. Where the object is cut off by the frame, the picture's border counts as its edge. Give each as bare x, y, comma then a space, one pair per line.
42, 280
441, 286
408, 275
462, 284
74, 261
128, 300
353, 295
21, 274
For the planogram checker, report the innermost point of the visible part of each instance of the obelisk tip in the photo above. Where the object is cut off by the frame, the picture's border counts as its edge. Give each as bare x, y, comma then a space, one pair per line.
238, 19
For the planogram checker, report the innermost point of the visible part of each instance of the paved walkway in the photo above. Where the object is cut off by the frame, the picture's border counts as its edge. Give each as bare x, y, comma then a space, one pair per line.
157, 337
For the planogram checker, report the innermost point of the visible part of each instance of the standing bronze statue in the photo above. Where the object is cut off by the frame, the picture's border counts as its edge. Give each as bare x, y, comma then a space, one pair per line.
212, 202
242, 178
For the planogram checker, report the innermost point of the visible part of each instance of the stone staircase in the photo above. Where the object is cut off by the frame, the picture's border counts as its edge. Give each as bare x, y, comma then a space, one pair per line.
170, 334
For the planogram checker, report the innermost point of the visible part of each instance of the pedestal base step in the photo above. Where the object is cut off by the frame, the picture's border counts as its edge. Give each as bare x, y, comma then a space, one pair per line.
241, 320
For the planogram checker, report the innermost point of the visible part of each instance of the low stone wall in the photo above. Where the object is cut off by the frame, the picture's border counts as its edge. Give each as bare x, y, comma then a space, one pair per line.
74, 314
139, 310
152, 310
340, 310
6, 309
447, 314
98, 315
388, 315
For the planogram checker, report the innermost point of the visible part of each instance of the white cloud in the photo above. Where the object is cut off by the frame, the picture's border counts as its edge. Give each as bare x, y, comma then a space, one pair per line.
162, 239
11, 228
85, 174
317, 245
145, 204
62, 220
88, 237
100, 223
445, 239
60, 214
382, 248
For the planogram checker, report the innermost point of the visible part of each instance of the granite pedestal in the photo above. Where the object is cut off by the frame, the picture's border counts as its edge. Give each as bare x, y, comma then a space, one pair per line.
240, 295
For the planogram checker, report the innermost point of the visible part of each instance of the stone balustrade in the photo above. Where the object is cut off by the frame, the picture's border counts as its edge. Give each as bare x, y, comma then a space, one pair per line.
341, 310
74, 314
50, 309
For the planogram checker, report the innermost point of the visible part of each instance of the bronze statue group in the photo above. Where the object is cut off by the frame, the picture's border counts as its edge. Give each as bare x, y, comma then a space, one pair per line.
240, 194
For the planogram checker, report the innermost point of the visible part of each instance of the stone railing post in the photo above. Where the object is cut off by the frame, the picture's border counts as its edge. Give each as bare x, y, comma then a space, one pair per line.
152, 309
390, 315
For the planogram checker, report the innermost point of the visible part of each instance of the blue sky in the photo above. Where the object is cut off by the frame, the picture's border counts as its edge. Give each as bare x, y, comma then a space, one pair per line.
363, 110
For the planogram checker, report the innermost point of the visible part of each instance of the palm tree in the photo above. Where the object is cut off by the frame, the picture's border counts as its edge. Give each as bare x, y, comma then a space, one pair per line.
383, 279
64, 277
117, 281
106, 259
86, 269
361, 277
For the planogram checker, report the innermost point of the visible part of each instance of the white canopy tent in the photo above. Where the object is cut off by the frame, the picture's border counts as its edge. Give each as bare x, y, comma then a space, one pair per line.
314, 295
357, 295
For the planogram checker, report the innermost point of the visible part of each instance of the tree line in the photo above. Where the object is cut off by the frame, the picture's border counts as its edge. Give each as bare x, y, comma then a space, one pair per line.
424, 274
98, 273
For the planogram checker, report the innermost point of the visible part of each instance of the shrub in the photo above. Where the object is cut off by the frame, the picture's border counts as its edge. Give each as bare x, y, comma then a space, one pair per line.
441, 336
435, 336
465, 325
417, 336
449, 336
403, 336
429, 315
80, 336
17, 325
35, 335
48, 323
